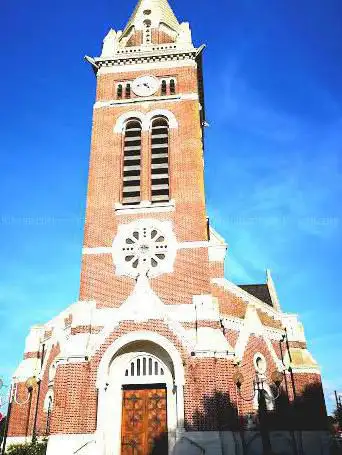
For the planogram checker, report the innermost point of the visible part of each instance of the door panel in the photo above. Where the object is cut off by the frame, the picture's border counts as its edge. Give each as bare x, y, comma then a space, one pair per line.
144, 422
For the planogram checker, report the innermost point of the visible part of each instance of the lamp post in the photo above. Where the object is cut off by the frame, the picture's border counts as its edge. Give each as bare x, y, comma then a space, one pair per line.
338, 398
262, 395
30, 385
5, 399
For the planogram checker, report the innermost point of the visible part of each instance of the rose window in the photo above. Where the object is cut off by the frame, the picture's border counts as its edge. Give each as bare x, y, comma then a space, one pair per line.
145, 247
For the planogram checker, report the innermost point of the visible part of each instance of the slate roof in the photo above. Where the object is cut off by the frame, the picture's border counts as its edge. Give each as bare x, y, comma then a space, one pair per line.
260, 291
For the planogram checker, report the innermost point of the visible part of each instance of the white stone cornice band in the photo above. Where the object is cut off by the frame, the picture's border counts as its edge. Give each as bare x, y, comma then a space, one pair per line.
109, 249
146, 66
169, 98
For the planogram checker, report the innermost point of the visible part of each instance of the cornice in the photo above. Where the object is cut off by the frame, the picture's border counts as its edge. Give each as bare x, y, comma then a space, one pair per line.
149, 99
139, 55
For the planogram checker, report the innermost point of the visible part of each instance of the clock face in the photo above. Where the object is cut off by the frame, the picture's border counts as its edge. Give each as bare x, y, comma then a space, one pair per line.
145, 86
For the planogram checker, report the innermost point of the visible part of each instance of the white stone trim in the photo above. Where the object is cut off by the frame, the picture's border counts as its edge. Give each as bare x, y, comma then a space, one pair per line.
294, 328
210, 342
121, 121
192, 245
306, 370
102, 373
145, 207
145, 118
138, 67
232, 323
26, 369
98, 250
33, 339
70, 444
150, 99
262, 357
149, 116
253, 326
14, 440
138, 100
272, 290
217, 247
190, 96
274, 334
208, 354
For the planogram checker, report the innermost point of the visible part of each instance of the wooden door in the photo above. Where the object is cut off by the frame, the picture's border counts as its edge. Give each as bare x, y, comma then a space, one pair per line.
144, 422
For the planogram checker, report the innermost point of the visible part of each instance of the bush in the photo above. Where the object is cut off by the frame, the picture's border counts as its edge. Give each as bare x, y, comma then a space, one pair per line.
39, 448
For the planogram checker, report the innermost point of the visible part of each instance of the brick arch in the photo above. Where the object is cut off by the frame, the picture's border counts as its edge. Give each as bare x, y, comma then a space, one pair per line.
145, 119
170, 116
110, 380
102, 373
121, 121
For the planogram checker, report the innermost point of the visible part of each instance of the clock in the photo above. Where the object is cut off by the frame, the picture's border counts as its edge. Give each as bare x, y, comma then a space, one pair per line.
145, 86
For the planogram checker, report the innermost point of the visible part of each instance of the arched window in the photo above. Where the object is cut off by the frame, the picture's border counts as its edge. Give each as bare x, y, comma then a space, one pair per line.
132, 164
48, 404
145, 365
163, 87
119, 91
160, 191
172, 87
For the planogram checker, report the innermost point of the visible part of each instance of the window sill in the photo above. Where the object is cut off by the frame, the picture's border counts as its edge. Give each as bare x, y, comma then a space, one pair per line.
144, 207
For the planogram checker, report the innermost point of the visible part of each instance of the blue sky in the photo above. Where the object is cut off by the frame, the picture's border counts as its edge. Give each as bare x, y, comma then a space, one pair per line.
273, 153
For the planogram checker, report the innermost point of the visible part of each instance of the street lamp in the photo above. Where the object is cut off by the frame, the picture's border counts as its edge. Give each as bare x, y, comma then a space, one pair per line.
262, 396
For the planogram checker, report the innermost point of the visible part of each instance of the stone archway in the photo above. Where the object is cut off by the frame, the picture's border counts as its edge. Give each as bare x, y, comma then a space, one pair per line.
138, 360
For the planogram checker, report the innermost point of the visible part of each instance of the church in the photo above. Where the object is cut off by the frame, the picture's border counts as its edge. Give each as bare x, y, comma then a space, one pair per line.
162, 354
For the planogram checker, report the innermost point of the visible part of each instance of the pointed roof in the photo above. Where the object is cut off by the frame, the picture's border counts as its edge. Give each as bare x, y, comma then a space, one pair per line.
157, 11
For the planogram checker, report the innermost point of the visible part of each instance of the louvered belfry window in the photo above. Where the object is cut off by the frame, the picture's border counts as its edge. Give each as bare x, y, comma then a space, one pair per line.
160, 188
163, 88
132, 163
172, 87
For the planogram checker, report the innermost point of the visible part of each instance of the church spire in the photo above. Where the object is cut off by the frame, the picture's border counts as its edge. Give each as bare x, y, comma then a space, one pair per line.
153, 23
157, 12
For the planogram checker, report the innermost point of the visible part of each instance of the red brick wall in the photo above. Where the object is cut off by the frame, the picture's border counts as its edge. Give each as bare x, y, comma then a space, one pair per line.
210, 394
22, 417
216, 269
75, 401
191, 276
229, 304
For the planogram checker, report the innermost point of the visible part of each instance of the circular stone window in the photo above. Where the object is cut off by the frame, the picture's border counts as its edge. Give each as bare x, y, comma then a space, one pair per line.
144, 247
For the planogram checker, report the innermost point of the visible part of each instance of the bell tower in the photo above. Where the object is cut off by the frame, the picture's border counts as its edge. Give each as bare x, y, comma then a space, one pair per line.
160, 351
147, 163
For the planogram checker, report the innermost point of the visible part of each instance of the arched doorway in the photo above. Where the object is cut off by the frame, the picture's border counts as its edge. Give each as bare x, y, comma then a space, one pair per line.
140, 403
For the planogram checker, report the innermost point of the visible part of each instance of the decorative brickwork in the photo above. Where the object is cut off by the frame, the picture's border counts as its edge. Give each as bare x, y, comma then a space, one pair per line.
200, 327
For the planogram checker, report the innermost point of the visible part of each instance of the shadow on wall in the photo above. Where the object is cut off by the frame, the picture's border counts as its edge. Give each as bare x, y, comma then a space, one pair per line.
306, 412
217, 428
